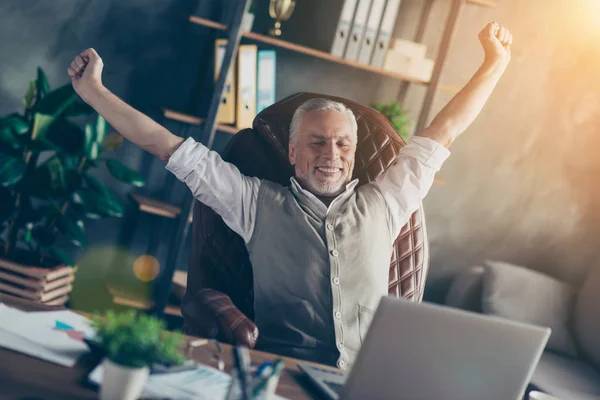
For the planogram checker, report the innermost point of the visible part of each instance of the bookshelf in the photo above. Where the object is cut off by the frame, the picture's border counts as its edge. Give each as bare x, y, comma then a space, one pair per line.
317, 53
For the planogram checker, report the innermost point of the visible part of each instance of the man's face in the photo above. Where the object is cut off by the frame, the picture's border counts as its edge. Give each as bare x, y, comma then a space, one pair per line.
323, 152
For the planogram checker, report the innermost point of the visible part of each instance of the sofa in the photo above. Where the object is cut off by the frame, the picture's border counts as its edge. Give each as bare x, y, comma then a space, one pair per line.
569, 368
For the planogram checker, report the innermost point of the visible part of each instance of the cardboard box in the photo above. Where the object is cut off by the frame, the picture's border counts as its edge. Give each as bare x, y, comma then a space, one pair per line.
409, 48
417, 68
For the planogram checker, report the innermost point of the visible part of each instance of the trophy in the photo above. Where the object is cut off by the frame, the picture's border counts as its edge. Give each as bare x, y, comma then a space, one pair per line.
280, 10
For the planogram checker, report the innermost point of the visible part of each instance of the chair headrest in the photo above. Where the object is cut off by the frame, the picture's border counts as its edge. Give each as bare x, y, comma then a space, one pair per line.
378, 141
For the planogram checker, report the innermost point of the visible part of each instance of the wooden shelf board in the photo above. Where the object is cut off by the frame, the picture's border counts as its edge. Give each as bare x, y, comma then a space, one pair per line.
190, 119
120, 297
155, 207
152, 206
143, 305
483, 3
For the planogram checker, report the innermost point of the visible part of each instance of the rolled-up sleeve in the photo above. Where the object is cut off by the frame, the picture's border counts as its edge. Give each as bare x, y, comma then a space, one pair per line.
408, 180
218, 184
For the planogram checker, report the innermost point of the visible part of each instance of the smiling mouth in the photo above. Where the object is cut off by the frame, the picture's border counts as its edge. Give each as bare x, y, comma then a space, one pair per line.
329, 170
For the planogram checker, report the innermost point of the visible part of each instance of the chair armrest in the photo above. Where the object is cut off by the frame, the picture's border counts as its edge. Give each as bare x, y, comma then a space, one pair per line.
210, 313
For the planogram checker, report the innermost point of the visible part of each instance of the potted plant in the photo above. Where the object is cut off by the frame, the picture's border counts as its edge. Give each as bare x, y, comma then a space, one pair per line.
132, 342
47, 189
397, 116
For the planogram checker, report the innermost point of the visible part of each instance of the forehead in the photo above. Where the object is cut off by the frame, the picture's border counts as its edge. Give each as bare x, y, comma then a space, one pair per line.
333, 124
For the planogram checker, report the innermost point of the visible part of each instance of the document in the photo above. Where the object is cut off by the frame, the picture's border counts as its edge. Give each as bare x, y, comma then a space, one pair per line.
202, 383
55, 336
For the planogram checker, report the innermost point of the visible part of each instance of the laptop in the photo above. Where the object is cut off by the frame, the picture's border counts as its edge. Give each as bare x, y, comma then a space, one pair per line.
431, 352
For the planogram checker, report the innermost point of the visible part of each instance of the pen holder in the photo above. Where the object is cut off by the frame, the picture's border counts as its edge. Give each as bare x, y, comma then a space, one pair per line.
260, 389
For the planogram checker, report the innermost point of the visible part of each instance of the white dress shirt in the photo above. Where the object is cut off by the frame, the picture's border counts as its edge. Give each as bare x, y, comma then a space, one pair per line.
233, 196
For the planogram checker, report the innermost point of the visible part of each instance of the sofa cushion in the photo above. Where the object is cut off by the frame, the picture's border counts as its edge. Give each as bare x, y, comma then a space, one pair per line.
587, 317
466, 289
520, 294
566, 378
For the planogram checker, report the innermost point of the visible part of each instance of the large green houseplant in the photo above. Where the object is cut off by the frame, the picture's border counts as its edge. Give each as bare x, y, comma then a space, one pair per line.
47, 189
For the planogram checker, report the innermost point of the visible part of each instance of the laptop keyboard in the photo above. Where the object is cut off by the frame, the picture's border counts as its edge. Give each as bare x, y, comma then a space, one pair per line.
336, 387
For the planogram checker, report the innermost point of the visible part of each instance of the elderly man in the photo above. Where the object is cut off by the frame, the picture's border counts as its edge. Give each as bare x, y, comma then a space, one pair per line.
320, 248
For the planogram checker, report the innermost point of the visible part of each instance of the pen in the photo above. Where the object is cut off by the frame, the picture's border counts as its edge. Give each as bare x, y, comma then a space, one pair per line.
241, 363
262, 367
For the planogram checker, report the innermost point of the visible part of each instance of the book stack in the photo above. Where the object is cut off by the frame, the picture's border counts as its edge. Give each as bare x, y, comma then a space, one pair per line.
42, 285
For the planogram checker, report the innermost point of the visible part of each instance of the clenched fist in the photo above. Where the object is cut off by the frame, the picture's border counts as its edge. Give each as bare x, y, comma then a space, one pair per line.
86, 72
496, 41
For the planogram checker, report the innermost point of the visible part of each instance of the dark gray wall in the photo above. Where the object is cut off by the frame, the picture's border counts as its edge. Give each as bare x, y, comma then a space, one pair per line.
520, 185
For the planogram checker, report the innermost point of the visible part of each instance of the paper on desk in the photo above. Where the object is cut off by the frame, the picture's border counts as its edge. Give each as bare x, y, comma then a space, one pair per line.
203, 383
54, 336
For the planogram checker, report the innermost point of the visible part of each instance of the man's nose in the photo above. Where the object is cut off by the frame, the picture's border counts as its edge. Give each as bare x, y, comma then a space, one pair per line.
331, 151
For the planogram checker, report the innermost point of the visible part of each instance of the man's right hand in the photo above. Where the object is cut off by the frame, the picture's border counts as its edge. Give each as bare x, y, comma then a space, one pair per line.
86, 72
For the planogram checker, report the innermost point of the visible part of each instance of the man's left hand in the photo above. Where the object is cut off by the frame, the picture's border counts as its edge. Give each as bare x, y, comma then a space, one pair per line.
496, 41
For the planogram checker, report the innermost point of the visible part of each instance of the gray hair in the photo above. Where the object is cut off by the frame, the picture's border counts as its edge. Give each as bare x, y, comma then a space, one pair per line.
320, 104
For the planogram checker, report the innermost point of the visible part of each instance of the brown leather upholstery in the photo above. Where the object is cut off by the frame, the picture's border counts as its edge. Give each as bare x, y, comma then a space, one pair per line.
219, 259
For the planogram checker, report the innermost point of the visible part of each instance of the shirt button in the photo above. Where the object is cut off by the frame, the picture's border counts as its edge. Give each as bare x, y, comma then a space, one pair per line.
336, 280
341, 364
330, 227
341, 346
334, 253
338, 315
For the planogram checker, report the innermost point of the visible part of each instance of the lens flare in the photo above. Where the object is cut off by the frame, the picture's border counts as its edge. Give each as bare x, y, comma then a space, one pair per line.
146, 268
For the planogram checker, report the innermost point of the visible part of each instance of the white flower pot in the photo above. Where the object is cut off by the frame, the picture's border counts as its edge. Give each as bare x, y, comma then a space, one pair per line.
120, 382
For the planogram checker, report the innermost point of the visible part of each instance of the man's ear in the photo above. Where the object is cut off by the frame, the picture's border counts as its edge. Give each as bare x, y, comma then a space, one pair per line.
292, 154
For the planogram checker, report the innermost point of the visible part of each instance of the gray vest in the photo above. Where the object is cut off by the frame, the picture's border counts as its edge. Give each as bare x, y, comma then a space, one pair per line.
318, 278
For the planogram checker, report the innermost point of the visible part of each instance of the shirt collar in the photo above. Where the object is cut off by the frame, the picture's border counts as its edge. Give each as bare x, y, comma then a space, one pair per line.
300, 191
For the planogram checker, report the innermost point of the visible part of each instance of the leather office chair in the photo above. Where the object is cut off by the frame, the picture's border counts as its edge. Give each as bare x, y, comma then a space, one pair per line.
219, 298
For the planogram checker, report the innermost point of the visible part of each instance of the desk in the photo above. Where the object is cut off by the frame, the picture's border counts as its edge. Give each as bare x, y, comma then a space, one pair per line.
24, 377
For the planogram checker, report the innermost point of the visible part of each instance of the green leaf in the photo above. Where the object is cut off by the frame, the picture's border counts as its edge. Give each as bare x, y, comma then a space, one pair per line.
78, 109
30, 95
29, 214
124, 173
94, 151
96, 204
17, 123
41, 84
90, 138
100, 130
56, 173
67, 136
49, 210
40, 145
7, 201
53, 179
73, 230
95, 184
8, 140
12, 170
43, 235
57, 101
112, 142
61, 255
41, 124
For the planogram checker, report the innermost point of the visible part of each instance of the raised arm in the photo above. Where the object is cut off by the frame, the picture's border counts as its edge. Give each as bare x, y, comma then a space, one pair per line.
462, 110
214, 182
86, 75
407, 182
